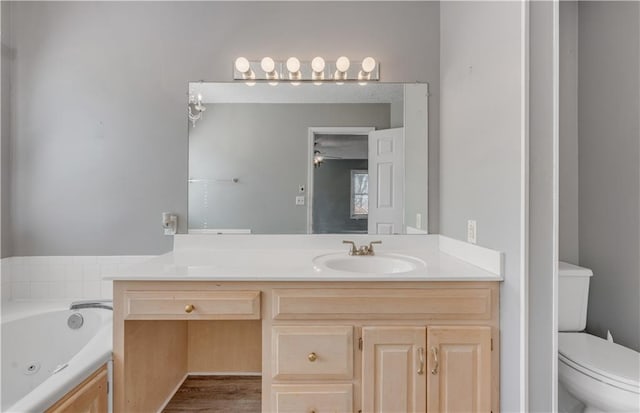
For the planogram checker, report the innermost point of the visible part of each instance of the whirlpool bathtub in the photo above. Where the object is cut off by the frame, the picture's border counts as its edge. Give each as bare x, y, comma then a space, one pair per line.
46, 355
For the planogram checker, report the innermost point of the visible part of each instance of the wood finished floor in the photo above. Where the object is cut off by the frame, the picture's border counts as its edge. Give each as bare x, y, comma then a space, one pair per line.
219, 394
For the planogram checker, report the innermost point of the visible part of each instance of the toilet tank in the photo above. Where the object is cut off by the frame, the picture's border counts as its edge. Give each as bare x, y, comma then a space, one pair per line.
573, 296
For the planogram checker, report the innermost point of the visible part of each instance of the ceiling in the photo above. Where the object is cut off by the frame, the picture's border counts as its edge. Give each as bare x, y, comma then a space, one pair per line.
342, 146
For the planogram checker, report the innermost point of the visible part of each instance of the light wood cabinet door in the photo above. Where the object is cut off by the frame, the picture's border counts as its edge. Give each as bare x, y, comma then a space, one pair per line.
393, 369
459, 369
90, 396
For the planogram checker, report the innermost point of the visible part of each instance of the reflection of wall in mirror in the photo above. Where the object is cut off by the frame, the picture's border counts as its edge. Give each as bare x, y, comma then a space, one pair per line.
332, 197
265, 146
416, 156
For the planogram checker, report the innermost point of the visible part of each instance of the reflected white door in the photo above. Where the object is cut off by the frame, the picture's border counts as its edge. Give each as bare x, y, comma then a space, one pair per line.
386, 181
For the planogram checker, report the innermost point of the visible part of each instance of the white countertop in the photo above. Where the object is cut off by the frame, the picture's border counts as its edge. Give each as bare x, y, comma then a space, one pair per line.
290, 258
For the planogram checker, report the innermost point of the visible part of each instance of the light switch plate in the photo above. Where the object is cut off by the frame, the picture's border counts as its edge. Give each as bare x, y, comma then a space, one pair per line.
472, 231
300, 200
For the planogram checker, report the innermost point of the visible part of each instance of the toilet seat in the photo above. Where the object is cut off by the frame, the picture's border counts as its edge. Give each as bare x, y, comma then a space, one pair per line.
601, 360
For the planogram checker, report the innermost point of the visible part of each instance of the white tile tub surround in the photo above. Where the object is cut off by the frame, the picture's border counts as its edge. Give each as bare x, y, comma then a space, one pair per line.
56, 277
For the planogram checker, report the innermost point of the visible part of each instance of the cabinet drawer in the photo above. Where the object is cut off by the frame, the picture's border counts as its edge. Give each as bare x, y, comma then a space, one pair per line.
318, 352
192, 305
316, 398
388, 303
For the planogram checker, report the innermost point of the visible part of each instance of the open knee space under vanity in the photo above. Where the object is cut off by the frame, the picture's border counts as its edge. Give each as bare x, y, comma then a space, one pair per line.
313, 346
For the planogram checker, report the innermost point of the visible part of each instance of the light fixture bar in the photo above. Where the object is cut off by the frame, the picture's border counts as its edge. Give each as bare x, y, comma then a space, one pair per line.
316, 70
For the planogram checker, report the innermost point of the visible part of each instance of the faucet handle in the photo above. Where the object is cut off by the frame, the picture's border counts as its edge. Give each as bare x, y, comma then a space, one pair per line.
371, 246
354, 249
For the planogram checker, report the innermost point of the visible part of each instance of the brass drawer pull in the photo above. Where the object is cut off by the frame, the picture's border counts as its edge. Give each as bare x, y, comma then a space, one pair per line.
434, 352
189, 308
312, 357
421, 365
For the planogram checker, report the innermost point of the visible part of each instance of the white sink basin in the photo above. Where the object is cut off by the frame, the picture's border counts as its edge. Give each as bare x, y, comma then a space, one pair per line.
376, 264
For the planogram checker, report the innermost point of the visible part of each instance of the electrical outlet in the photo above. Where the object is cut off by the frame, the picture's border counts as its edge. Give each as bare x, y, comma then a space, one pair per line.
169, 223
472, 231
301, 189
300, 200
419, 220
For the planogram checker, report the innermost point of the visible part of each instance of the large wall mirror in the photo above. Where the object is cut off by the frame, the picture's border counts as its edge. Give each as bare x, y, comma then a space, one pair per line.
308, 159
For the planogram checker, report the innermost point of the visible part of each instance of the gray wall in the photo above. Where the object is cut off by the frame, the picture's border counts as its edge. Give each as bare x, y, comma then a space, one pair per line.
397, 114
568, 141
416, 175
265, 146
332, 197
5, 110
480, 150
543, 213
609, 174
98, 129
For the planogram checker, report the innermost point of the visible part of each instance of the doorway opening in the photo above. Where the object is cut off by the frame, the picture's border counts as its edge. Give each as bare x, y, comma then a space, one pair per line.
337, 180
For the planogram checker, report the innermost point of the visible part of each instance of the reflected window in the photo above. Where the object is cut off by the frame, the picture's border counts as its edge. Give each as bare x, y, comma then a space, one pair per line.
359, 194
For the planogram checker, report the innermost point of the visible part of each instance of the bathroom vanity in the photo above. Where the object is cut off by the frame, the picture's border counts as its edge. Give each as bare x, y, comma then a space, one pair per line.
320, 339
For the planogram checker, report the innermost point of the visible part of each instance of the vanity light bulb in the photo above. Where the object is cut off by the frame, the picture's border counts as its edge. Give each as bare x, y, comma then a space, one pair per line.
293, 65
243, 65
198, 104
363, 77
342, 64
317, 64
368, 64
268, 65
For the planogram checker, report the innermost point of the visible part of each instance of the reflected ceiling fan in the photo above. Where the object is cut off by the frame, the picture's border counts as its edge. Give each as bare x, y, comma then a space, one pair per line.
319, 157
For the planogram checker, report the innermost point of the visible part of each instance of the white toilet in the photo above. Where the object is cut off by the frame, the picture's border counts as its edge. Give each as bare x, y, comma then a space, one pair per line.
604, 376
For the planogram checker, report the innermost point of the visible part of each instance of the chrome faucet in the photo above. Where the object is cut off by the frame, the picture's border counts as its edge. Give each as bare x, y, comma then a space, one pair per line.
363, 250
105, 304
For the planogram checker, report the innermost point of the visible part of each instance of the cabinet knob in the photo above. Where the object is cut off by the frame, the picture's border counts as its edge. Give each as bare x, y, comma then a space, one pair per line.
312, 357
189, 308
